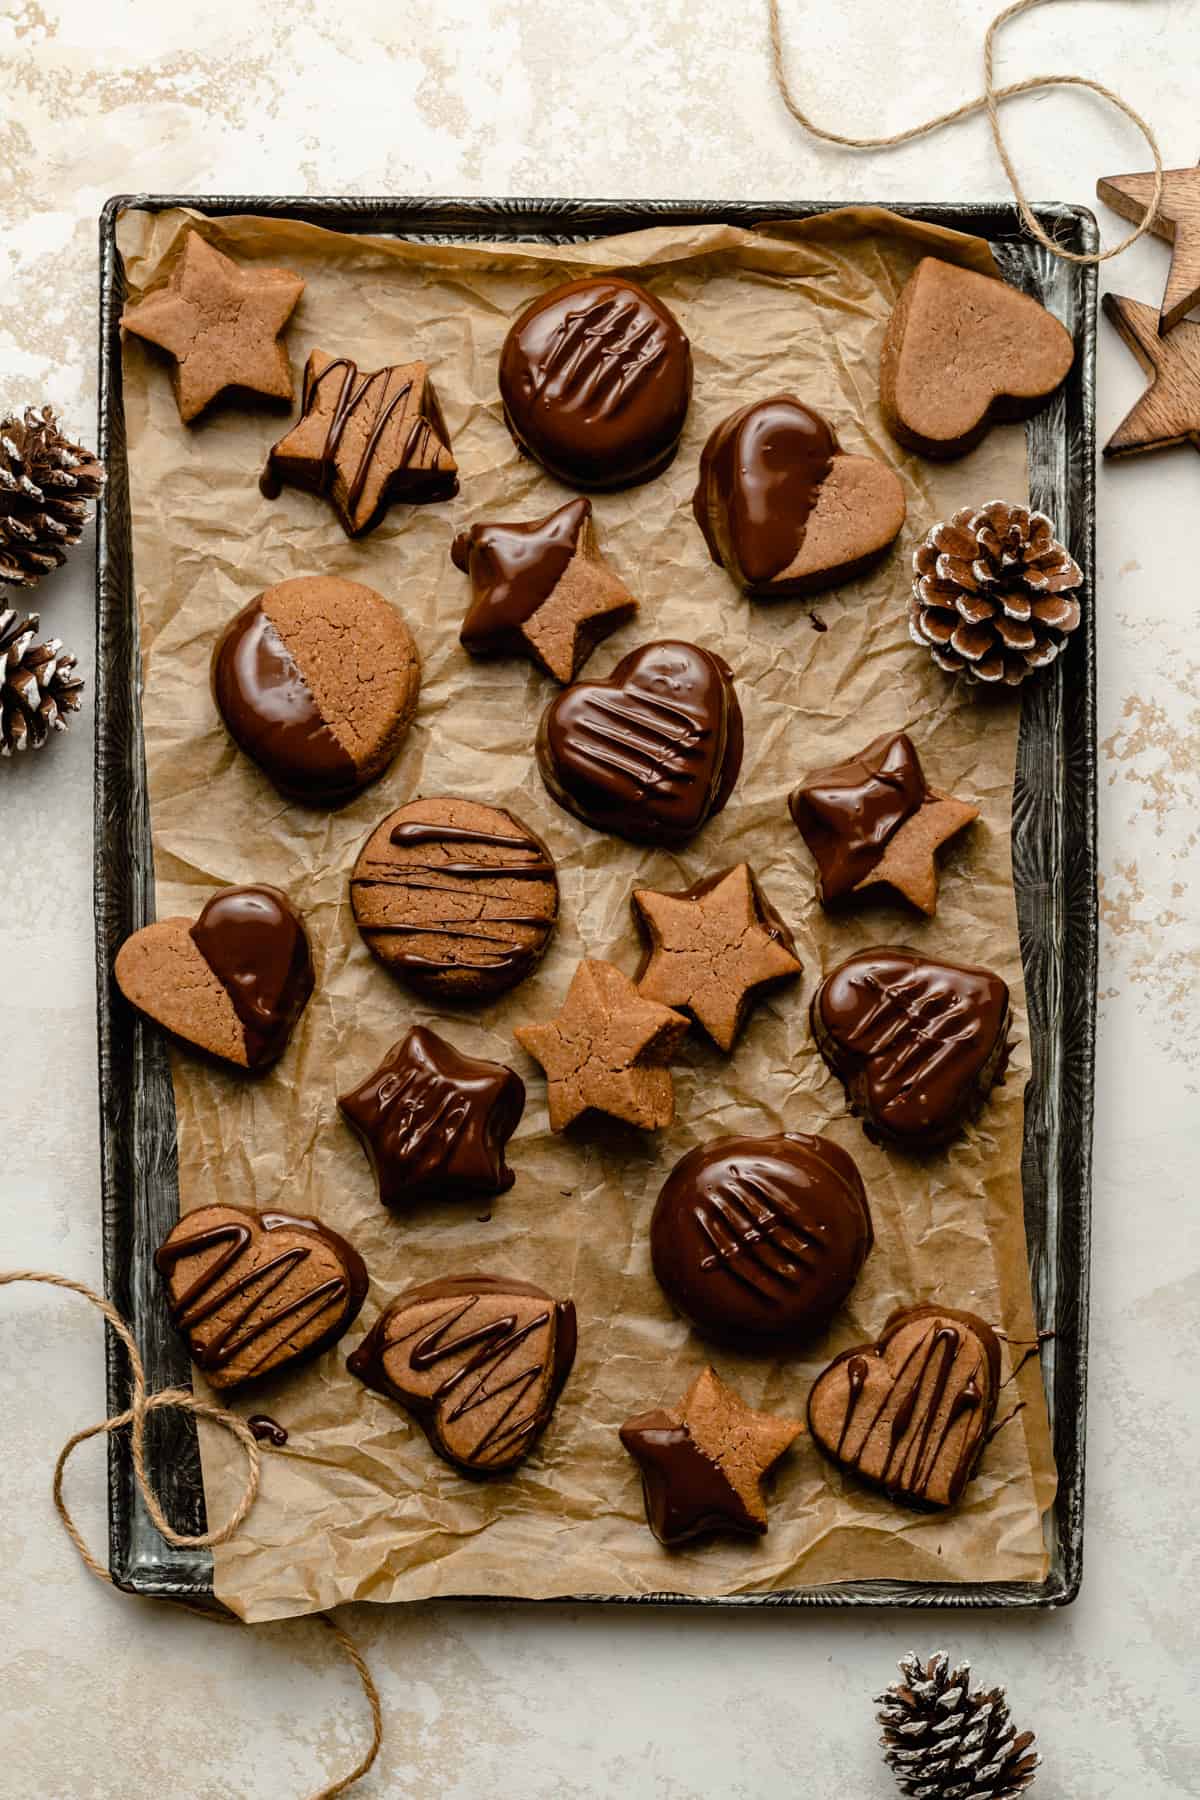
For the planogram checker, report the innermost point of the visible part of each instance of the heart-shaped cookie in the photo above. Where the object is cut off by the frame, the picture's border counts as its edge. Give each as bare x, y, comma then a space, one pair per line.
918, 1044
963, 351
784, 508
911, 1413
650, 753
252, 1292
233, 982
478, 1360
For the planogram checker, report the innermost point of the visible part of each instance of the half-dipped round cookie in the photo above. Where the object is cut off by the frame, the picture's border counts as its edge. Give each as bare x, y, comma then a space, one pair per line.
255, 1292
232, 982
785, 509
317, 680
456, 897
596, 377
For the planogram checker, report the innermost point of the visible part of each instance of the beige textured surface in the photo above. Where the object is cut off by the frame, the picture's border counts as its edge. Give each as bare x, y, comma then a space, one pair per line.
597, 1705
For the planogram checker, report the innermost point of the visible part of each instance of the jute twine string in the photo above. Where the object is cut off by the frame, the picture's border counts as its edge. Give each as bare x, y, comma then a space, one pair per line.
988, 102
142, 1404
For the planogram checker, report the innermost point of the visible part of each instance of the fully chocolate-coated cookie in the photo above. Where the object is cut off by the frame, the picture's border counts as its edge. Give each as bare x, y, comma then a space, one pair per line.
232, 982
758, 1240
918, 1044
596, 377
479, 1361
911, 1413
650, 753
253, 1292
317, 680
456, 897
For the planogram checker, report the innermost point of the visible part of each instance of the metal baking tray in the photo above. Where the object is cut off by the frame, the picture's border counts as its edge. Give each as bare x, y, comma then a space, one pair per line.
1054, 857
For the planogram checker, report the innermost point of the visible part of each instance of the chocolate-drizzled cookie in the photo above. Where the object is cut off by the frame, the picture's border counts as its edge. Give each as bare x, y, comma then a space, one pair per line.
457, 898
596, 377
479, 1361
918, 1044
252, 1292
911, 1413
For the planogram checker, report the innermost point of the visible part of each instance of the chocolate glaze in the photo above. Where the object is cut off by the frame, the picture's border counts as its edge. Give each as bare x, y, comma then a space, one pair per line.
255, 943
760, 473
270, 713
514, 569
917, 1043
687, 1495
434, 1121
596, 377
848, 813
474, 1352
758, 1240
650, 753
268, 1430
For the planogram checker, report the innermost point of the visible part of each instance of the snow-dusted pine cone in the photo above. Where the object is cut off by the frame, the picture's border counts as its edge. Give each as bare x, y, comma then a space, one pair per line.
38, 685
45, 485
994, 593
943, 1742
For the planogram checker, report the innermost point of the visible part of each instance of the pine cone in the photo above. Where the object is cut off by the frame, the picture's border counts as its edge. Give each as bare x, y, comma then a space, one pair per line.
943, 1742
993, 593
38, 685
45, 485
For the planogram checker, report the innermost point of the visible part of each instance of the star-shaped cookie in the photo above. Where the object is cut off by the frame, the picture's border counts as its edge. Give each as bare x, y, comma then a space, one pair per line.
703, 1462
1177, 221
712, 949
872, 821
221, 322
607, 1051
1169, 411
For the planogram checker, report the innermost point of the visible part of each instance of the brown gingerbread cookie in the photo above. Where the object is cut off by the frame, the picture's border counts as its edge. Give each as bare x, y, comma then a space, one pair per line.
317, 680
233, 982
785, 509
220, 322
456, 897
540, 589
963, 352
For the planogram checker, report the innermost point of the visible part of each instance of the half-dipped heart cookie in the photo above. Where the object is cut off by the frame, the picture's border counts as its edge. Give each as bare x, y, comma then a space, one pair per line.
784, 508
479, 1361
911, 1413
233, 982
253, 1292
918, 1044
962, 352
652, 752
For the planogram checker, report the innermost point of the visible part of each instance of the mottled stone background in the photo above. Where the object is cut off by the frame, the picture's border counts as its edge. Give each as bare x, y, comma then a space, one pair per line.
614, 97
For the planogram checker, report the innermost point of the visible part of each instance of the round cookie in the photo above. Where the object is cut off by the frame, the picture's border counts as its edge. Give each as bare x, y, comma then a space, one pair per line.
457, 898
596, 377
317, 681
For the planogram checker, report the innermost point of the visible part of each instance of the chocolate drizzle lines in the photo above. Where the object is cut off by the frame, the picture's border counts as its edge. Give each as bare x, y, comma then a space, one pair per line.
919, 1460
600, 354
751, 1238
492, 1344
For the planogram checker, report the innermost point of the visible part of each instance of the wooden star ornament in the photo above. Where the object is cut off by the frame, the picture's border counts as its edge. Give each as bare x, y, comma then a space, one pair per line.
1177, 221
220, 321
1169, 411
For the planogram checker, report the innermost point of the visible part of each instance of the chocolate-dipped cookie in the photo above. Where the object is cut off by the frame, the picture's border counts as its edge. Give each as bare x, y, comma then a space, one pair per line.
364, 440
478, 1360
232, 982
918, 1044
253, 1292
911, 1413
596, 377
758, 1240
435, 1122
713, 949
317, 681
457, 898
650, 753
785, 509
871, 821
702, 1462
540, 589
